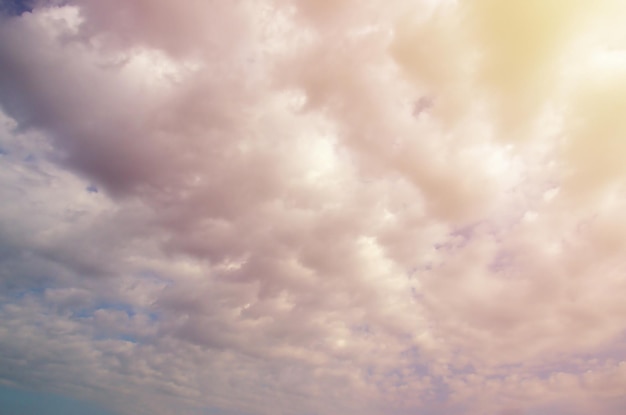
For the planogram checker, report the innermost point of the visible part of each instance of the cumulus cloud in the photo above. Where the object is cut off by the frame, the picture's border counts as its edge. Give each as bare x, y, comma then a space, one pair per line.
271, 206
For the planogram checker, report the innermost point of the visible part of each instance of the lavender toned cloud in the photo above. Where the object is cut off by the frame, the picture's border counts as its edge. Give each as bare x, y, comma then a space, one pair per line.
313, 207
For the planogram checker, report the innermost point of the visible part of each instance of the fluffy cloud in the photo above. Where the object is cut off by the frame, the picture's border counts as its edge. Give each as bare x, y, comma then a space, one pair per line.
314, 207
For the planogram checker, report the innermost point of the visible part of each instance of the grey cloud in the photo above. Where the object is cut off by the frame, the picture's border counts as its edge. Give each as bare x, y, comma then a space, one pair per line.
276, 231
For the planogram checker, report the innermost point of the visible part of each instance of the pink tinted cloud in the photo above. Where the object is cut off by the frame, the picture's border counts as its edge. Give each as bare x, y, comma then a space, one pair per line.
320, 207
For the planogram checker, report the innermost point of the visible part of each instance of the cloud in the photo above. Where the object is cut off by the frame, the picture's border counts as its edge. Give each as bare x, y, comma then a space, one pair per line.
314, 207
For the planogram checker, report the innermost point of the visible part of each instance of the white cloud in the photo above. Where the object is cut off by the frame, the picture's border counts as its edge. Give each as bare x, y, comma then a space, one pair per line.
318, 207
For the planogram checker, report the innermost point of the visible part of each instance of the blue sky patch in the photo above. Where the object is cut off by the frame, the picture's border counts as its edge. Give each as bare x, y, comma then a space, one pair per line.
22, 402
16, 7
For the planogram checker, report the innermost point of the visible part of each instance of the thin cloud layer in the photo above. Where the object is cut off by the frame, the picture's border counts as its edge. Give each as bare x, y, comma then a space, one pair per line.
266, 206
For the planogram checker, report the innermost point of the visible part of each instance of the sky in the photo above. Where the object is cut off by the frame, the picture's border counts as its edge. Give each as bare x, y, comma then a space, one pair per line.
21, 402
312, 207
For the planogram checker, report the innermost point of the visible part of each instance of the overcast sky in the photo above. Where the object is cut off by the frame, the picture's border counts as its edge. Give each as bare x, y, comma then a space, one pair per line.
313, 207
